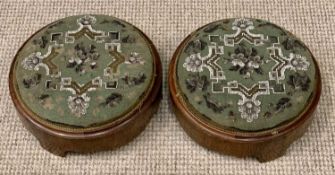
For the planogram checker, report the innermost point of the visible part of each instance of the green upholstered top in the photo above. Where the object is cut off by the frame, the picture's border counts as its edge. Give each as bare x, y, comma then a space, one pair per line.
84, 70
245, 74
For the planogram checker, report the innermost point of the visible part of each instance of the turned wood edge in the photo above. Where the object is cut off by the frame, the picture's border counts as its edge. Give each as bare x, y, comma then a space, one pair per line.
262, 150
264, 147
108, 139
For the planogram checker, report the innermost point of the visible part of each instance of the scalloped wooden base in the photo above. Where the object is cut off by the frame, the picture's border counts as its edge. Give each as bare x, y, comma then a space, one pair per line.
263, 150
109, 139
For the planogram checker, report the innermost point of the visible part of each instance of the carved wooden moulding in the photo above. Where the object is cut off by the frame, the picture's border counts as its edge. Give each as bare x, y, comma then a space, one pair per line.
86, 83
244, 87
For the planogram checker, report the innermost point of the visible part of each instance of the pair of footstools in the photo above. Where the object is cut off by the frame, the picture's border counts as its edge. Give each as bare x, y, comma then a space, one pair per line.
243, 87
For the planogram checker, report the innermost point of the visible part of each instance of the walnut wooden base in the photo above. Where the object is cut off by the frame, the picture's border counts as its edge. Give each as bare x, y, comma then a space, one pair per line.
60, 144
263, 150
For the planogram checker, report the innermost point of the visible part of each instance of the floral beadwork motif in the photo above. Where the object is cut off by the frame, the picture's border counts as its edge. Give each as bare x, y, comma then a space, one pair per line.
78, 104
134, 58
242, 23
246, 61
31, 61
249, 110
260, 59
87, 20
299, 62
193, 63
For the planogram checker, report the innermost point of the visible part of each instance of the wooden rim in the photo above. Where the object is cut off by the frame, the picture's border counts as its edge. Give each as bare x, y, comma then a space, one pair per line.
152, 94
239, 136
